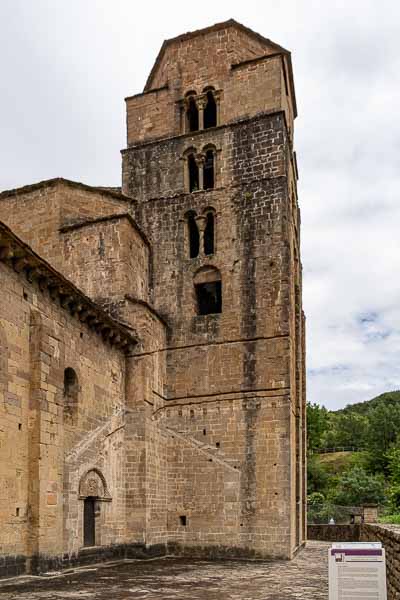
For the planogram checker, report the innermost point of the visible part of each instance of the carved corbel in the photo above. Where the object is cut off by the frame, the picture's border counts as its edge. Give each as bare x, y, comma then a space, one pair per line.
19, 264
6, 253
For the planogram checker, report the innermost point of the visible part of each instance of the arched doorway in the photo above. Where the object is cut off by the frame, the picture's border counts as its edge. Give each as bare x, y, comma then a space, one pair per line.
93, 491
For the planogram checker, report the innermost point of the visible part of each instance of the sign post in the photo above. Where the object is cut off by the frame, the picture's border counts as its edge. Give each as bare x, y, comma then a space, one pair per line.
357, 571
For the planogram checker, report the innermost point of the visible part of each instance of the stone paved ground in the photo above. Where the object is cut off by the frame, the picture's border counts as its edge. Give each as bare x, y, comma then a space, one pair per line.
304, 578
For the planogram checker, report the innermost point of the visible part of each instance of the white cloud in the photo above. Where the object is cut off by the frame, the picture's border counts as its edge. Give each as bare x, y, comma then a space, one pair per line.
66, 67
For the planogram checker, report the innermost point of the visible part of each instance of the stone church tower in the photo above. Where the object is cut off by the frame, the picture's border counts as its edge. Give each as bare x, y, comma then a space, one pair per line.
211, 164
152, 348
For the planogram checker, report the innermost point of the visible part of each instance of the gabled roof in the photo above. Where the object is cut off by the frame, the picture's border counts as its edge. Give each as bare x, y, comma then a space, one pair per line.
218, 27
20, 257
114, 192
79, 223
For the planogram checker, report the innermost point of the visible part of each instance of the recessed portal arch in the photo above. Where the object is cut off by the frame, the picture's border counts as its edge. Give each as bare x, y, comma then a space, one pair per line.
92, 490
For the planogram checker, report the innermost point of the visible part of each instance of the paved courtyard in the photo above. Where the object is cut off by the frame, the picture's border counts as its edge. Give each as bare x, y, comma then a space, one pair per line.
304, 578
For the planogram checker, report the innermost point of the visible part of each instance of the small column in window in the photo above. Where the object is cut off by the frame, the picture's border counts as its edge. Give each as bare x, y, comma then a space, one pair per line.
200, 159
201, 105
193, 173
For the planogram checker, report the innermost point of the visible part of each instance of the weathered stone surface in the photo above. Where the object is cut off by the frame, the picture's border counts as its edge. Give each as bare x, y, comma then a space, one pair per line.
304, 578
389, 535
167, 426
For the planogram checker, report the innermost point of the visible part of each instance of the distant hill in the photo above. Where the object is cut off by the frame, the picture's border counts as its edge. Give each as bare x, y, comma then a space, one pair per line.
363, 408
372, 426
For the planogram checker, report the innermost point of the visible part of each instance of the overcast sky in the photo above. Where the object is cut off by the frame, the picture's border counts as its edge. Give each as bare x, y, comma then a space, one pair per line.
66, 67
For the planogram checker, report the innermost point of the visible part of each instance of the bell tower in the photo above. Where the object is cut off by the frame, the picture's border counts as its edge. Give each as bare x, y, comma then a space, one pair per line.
210, 164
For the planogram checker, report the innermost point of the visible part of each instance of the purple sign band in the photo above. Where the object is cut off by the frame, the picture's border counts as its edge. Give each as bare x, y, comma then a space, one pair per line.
354, 552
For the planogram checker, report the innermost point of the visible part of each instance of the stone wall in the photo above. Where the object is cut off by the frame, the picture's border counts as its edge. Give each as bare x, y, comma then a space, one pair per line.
36, 213
238, 374
195, 437
250, 74
334, 533
389, 535
107, 258
157, 170
44, 452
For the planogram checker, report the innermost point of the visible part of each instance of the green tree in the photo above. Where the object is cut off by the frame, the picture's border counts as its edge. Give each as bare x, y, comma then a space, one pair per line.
317, 423
356, 487
393, 466
351, 429
383, 430
318, 478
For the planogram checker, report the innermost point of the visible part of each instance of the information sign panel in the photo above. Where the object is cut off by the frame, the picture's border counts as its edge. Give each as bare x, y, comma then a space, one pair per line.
357, 571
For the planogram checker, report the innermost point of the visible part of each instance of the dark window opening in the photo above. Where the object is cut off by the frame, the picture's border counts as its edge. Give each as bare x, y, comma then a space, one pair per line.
209, 235
192, 115
25, 295
193, 173
210, 112
182, 520
89, 527
17, 512
194, 237
209, 298
19, 426
217, 444
204, 431
70, 394
209, 170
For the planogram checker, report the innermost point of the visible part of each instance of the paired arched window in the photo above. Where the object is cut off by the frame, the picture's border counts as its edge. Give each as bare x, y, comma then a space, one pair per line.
71, 389
201, 110
208, 291
200, 232
200, 168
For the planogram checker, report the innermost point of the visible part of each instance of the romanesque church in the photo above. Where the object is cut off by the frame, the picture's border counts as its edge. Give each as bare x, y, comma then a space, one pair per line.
152, 381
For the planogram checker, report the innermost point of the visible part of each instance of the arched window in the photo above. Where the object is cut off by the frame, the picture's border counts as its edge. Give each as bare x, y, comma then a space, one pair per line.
193, 170
209, 234
208, 289
209, 170
193, 235
192, 114
210, 111
71, 389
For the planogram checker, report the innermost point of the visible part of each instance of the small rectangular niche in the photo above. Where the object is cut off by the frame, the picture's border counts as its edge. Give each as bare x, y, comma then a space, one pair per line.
19, 426
17, 512
182, 520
